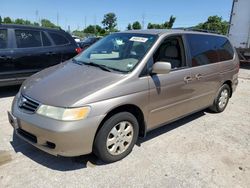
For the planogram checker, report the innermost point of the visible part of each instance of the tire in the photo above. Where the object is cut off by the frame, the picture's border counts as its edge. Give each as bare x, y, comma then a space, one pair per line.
116, 138
221, 100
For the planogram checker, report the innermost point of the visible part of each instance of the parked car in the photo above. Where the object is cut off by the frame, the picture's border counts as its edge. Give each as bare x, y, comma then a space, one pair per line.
87, 42
76, 38
25, 50
157, 77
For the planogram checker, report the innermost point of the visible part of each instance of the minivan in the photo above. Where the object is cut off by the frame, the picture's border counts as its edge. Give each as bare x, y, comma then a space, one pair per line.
25, 50
102, 101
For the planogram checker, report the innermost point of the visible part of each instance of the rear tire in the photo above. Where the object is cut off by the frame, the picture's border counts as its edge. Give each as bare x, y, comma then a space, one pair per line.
116, 138
221, 100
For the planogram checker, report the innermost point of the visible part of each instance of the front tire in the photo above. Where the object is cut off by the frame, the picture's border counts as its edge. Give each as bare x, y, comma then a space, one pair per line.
221, 100
117, 137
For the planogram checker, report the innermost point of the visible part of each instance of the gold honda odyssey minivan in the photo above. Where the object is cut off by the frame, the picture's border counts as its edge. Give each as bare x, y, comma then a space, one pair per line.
123, 86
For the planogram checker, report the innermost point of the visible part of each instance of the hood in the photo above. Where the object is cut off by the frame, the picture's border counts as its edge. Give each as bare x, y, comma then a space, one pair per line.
65, 84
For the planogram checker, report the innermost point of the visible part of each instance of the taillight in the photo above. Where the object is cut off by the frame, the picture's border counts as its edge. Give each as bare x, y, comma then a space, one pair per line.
78, 50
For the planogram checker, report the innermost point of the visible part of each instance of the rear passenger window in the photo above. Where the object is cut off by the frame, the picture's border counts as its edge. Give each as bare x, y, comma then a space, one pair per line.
59, 39
3, 39
28, 38
202, 49
45, 39
225, 50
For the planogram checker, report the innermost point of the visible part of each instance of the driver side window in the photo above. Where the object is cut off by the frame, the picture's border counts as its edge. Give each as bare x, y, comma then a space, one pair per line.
172, 51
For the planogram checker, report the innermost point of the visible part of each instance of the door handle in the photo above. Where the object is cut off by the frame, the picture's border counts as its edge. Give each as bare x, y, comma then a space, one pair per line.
198, 76
188, 79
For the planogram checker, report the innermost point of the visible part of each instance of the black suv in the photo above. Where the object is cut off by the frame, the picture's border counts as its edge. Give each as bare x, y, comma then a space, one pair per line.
25, 50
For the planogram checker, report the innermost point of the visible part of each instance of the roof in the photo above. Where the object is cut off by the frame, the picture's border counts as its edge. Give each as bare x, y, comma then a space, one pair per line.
27, 27
168, 31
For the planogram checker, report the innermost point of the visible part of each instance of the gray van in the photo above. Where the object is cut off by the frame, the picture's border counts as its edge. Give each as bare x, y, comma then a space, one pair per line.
120, 88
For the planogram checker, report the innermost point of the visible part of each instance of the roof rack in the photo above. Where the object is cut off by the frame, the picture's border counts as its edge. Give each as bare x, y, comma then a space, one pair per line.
30, 26
201, 30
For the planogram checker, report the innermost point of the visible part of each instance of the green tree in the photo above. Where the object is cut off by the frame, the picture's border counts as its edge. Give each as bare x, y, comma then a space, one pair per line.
94, 29
1, 20
19, 21
136, 25
214, 23
90, 29
110, 22
48, 23
7, 20
36, 24
129, 27
78, 33
167, 25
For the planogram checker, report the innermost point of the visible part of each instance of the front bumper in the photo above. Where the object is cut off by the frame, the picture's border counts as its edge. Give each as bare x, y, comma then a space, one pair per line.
52, 136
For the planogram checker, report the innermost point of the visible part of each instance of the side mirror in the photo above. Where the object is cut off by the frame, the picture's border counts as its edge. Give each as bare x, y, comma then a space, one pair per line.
161, 68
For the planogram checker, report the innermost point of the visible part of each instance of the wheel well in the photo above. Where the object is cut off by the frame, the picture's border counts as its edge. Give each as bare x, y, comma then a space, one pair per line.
135, 110
229, 83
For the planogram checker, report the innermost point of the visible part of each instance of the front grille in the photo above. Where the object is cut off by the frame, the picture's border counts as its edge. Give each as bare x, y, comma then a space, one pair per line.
27, 135
27, 104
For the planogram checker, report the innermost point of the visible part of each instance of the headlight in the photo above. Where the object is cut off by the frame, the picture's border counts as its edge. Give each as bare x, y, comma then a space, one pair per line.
65, 114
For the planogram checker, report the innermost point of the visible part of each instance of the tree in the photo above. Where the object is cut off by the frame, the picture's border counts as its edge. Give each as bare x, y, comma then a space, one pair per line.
110, 22
36, 24
1, 20
94, 29
89, 29
167, 25
48, 23
136, 25
7, 20
214, 23
155, 26
129, 27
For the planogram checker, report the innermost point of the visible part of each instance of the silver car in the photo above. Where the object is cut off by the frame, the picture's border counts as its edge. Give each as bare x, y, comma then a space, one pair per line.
120, 88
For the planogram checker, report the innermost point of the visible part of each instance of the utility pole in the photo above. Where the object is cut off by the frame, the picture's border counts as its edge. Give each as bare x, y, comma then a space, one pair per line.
37, 17
57, 19
95, 23
85, 22
143, 20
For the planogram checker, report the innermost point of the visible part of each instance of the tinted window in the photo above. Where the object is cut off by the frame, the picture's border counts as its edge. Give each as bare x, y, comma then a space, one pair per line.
28, 38
225, 50
46, 41
202, 49
59, 39
3, 38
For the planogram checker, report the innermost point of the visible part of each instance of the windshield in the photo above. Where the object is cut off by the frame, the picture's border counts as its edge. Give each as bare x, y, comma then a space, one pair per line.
119, 51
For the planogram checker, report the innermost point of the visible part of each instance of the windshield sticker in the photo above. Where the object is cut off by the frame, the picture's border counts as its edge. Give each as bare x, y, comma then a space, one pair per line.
139, 39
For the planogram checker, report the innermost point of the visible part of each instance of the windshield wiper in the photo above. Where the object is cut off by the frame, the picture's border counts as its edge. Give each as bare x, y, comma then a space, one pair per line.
77, 62
103, 67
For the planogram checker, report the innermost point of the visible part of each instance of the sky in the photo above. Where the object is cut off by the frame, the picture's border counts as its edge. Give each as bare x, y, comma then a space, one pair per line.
79, 13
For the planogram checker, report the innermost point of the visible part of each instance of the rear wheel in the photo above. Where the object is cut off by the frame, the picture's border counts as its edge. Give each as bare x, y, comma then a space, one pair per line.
221, 100
117, 137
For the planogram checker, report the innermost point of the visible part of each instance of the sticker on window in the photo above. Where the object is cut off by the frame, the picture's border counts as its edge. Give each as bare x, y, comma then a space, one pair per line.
138, 39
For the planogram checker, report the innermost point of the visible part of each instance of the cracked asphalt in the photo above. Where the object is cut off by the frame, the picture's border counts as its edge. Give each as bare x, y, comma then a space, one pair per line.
201, 150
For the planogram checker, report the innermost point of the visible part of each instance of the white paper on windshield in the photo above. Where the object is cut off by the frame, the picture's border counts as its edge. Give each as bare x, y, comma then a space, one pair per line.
138, 39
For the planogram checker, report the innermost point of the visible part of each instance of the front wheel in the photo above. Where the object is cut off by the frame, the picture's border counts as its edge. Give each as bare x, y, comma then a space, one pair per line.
117, 137
221, 100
